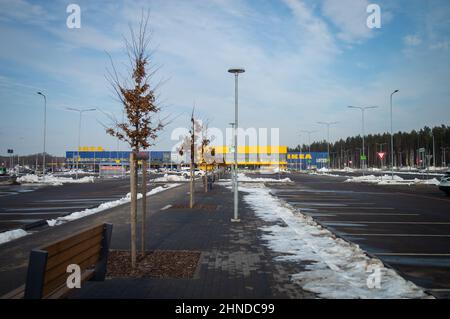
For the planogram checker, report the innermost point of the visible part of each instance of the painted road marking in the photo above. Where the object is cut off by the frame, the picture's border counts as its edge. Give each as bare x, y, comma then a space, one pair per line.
77, 200
27, 214
41, 208
411, 254
368, 214
400, 235
360, 207
166, 207
366, 222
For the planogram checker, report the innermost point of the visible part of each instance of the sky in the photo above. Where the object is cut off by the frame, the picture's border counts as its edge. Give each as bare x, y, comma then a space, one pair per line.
305, 62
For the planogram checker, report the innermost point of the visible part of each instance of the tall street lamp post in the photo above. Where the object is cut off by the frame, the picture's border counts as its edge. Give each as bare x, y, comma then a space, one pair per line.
236, 73
328, 124
80, 111
45, 131
363, 110
392, 140
309, 144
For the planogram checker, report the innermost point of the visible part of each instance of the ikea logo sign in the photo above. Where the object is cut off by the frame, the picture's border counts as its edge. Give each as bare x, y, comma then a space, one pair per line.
295, 156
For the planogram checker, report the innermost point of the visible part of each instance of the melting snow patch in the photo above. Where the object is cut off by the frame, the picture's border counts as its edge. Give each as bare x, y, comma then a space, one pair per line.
53, 180
11, 235
387, 180
244, 178
170, 178
104, 206
337, 269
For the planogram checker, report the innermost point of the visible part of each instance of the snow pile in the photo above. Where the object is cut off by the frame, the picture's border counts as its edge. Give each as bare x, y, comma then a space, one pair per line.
336, 268
53, 180
387, 180
104, 206
11, 235
72, 172
244, 178
170, 178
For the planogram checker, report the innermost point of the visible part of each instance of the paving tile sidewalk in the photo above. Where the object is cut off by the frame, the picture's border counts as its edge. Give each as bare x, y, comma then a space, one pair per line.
234, 262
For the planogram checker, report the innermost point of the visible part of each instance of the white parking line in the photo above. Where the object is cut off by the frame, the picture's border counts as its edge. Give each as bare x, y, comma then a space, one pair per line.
367, 222
41, 208
166, 207
400, 235
360, 208
76, 200
27, 214
368, 214
412, 254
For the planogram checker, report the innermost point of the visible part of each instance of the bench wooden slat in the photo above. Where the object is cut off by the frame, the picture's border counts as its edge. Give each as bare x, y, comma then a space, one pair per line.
47, 266
62, 291
63, 257
72, 240
61, 280
61, 269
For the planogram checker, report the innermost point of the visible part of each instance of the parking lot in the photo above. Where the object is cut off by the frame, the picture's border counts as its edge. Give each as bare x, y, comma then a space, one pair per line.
29, 206
407, 227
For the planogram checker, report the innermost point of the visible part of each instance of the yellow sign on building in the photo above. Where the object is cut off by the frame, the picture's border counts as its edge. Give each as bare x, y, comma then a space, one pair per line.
90, 149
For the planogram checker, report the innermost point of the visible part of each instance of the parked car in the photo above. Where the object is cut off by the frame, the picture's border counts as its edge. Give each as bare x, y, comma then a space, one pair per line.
444, 185
2, 171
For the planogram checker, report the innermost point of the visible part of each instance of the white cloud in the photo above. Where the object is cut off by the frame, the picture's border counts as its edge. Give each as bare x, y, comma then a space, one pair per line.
349, 17
441, 45
412, 40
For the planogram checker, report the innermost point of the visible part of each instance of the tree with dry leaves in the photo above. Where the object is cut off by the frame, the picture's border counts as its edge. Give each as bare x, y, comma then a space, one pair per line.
138, 98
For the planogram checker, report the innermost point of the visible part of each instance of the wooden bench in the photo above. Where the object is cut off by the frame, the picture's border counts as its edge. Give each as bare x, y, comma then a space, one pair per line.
47, 266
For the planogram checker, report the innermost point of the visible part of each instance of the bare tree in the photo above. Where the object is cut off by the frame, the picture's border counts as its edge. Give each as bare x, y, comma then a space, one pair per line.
137, 95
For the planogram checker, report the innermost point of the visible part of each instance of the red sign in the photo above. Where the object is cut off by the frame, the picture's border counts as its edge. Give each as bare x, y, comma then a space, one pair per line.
381, 155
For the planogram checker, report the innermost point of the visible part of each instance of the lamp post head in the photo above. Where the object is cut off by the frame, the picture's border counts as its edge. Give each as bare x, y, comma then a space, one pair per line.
236, 71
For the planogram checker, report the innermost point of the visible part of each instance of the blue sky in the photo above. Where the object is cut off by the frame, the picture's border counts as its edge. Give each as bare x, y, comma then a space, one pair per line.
305, 61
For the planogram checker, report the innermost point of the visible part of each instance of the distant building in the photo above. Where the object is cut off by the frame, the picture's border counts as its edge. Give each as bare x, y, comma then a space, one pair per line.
251, 157
302, 160
96, 158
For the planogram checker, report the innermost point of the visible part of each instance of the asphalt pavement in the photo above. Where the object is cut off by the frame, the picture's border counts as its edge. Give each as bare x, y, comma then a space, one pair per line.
407, 227
29, 206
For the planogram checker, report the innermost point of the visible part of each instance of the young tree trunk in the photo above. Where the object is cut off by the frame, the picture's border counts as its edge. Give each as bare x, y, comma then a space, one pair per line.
191, 188
144, 204
133, 211
205, 178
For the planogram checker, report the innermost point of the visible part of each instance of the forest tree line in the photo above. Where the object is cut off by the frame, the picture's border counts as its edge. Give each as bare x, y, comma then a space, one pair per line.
406, 148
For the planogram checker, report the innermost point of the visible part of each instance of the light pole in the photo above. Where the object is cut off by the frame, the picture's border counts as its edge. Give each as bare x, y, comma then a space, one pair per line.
80, 111
392, 140
363, 110
328, 124
236, 73
444, 157
309, 144
309, 138
45, 131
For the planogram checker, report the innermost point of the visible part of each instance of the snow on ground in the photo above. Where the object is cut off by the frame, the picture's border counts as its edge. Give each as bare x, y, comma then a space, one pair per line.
104, 206
72, 172
171, 178
11, 235
52, 180
336, 268
387, 180
244, 178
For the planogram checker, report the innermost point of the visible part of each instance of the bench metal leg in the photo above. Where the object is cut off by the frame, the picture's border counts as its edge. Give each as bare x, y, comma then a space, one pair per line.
101, 266
36, 274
